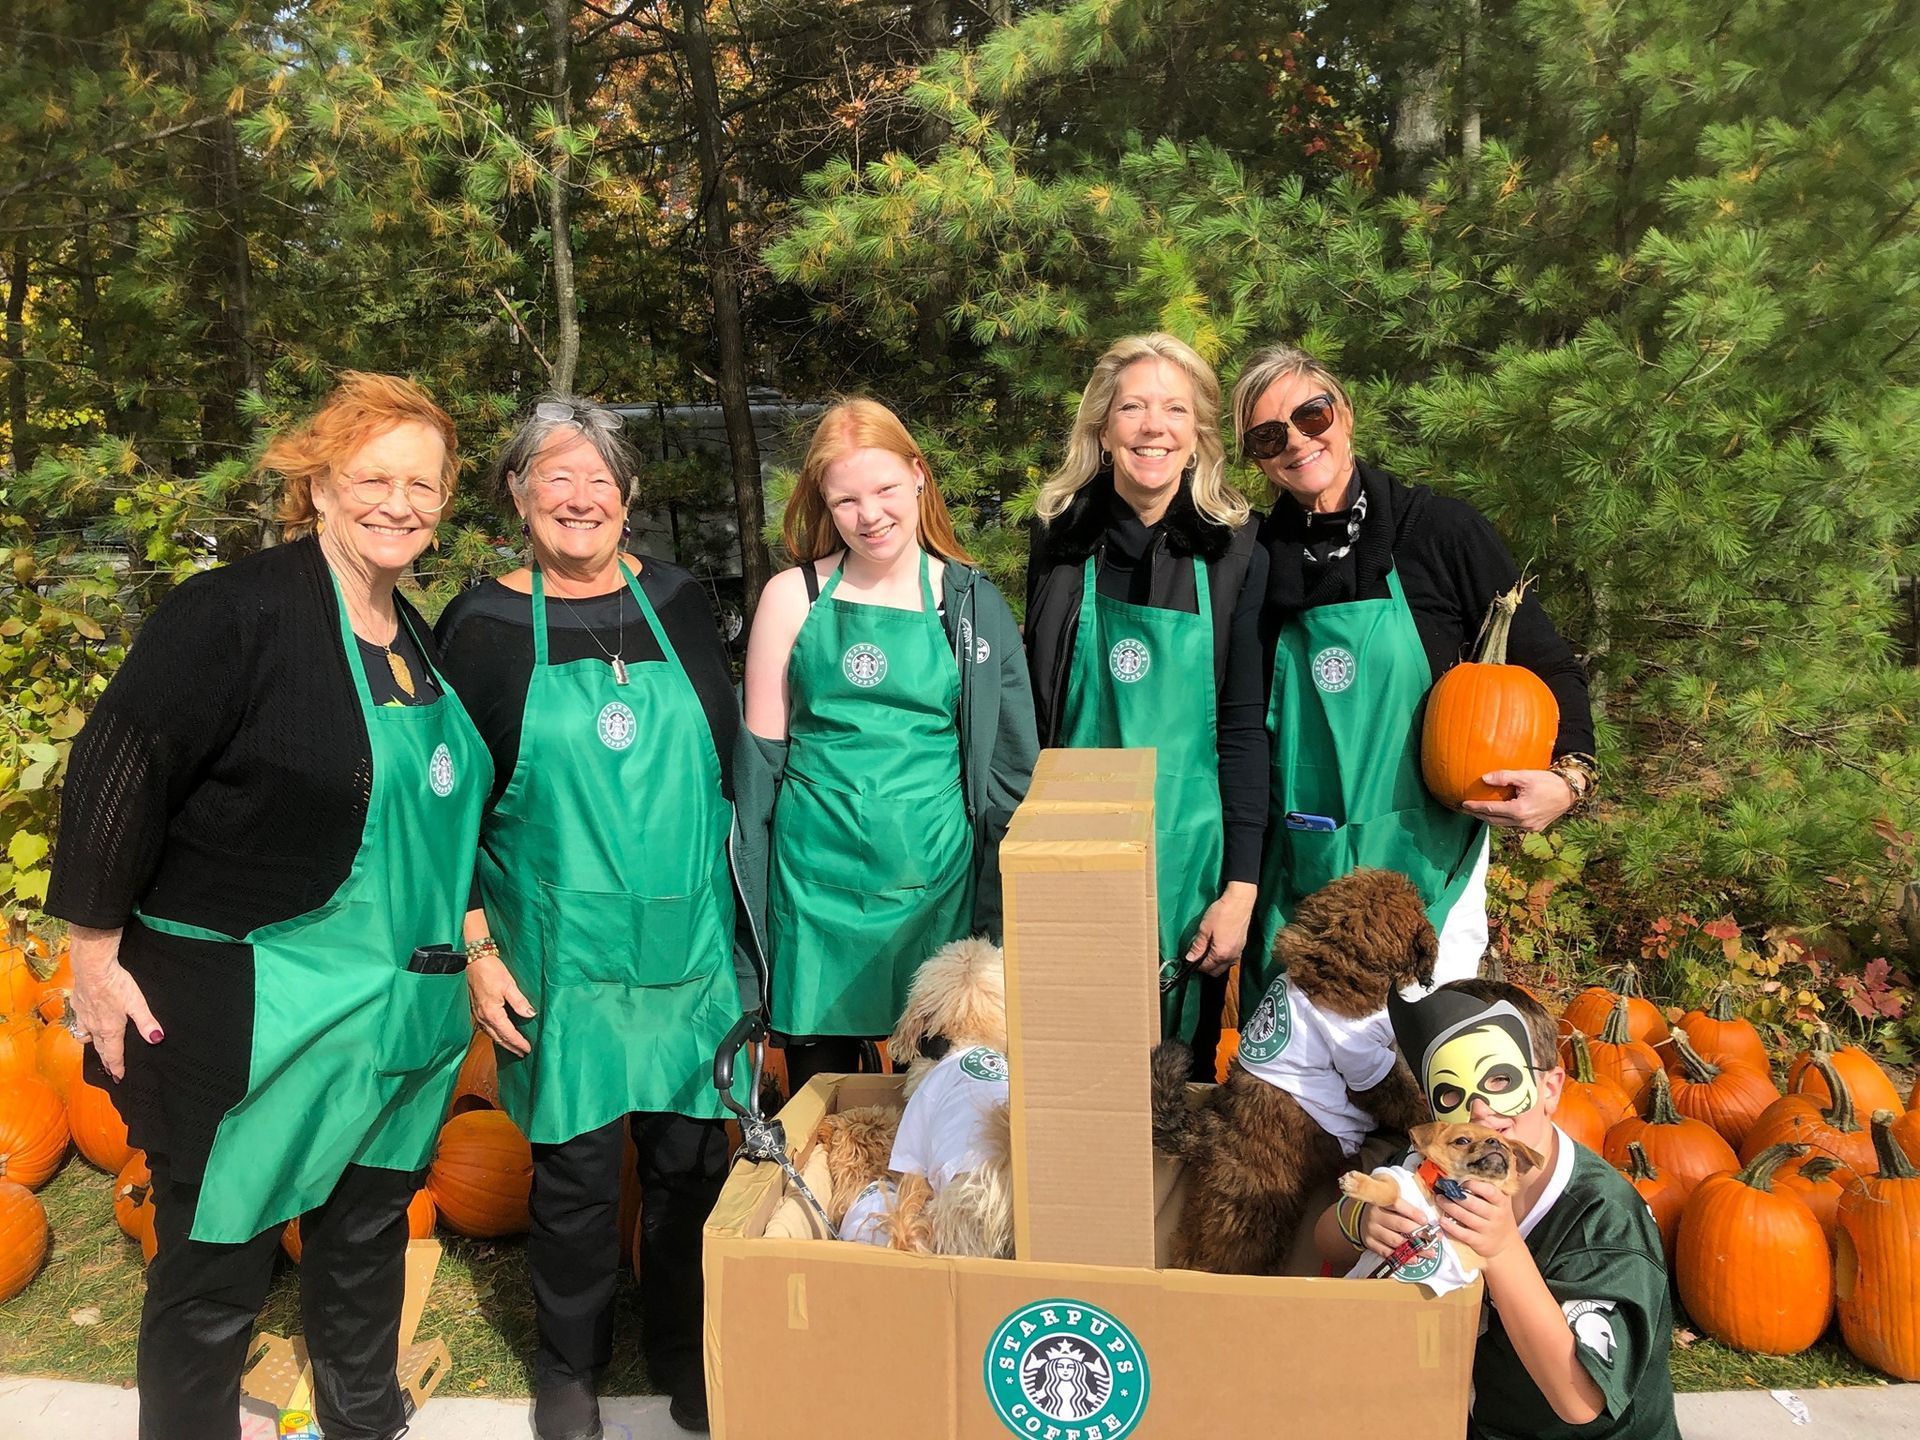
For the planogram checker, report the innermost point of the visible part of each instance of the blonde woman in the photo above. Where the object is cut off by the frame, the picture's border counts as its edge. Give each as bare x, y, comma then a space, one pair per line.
1143, 628
887, 687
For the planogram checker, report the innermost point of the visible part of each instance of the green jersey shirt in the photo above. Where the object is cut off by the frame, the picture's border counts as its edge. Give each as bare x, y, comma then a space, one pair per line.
1599, 1251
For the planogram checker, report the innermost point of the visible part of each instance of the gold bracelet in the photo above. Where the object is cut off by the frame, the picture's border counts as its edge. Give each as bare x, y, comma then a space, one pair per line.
485, 947
1581, 775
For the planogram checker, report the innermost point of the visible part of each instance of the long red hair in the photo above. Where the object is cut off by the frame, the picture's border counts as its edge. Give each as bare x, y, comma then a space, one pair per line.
854, 424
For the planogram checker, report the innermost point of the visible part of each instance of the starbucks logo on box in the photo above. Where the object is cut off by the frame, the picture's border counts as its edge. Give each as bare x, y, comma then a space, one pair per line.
616, 726
1129, 660
865, 665
1063, 1370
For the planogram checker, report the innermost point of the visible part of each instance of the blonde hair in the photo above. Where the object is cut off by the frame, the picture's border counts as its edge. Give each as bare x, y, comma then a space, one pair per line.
853, 424
1265, 369
1213, 497
359, 408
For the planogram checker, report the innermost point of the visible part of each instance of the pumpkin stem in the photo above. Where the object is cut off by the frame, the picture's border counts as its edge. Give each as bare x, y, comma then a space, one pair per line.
1759, 1171
1700, 1070
1721, 1008
1639, 1167
1493, 651
1582, 1057
1660, 1109
1840, 1114
1821, 1167
1627, 982
1615, 1031
1894, 1164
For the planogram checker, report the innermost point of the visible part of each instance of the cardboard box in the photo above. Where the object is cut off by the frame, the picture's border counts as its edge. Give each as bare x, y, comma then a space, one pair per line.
279, 1373
820, 1338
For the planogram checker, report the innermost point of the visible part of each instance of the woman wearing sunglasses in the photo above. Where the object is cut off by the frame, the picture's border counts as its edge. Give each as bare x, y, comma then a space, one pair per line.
1374, 589
604, 962
1143, 604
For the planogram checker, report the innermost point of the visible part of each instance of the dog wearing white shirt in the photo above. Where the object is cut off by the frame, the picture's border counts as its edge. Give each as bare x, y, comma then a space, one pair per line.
1316, 1072
945, 1187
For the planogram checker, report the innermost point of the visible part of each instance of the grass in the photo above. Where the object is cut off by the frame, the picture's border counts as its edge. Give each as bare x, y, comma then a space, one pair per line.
482, 1306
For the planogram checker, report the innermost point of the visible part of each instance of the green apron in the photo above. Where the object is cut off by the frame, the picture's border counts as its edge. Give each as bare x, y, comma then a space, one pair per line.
603, 866
1144, 676
872, 866
1344, 720
354, 1055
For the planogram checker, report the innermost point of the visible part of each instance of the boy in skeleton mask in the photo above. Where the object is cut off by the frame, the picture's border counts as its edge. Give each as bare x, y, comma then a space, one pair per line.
1577, 1324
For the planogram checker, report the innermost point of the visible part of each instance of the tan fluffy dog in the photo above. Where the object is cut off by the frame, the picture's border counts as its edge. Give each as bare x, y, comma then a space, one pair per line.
1252, 1153
958, 1000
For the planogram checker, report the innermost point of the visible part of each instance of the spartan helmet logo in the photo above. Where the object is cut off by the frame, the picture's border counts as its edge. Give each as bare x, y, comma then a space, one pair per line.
1067, 1380
1592, 1325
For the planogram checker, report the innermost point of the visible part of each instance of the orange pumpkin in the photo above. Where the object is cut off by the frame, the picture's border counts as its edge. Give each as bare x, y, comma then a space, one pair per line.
98, 1131
421, 1213
1688, 1150
1590, 1010
1608, 1098
477, 1087
1906, 1134
1872, 1089
133, 1199
1728, 1098
1223, 1054
19, 982
1752, 1265
1580, 1118
1877, 1261
482, 1174
1630, 1064
1817, 1182
1722, 1037
1486, 715
1664, 1195
19, 1042
56, 989
33, 1131
23, 1238
57, 1055
1834, 1130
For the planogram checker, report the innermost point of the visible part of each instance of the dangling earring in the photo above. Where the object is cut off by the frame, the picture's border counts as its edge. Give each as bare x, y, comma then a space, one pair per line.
626, 533
1106, 458
525, 529
319, 526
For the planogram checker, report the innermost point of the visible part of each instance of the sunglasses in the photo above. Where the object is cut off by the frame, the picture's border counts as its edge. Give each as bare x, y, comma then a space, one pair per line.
559, 410
1314, 418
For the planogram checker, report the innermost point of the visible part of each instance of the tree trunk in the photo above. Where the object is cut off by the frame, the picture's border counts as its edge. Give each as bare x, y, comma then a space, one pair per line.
933, 30
566, 355
723, 284
1419, 132
1470, 81
232, 305
23, 453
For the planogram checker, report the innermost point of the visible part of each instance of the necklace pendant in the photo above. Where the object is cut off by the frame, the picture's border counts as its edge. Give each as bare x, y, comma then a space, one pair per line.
619, 671
402, 676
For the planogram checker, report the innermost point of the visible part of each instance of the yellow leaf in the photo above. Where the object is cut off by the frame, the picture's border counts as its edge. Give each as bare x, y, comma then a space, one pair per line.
237, 100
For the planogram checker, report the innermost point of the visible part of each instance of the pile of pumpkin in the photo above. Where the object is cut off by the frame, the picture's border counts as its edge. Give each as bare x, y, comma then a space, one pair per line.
1778, 1209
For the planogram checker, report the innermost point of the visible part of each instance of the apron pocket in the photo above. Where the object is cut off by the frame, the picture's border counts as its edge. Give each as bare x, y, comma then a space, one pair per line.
611, 937
427, 1022
818, 834
1316, 858
908, 841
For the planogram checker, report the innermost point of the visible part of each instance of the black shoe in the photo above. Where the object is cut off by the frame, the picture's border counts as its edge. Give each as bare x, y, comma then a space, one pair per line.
565, 1408
689, 1410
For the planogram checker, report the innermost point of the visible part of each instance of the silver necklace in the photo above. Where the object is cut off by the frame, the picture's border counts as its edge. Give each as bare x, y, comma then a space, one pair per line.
619, 644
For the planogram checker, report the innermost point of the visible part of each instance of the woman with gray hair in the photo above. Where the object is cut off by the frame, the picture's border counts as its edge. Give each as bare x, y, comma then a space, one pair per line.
1375, 588
603, 958
1143, 607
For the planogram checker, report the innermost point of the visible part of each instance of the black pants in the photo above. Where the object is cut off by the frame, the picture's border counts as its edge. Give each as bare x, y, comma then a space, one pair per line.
836, 1055
573, 1249
197, 1322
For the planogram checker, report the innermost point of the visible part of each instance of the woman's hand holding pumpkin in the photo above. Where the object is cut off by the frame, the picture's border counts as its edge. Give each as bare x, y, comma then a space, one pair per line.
1540, 797
105, 998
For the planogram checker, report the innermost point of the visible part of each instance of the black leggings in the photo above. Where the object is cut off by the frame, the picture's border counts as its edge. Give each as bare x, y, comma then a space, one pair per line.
196, 1324
834, 1055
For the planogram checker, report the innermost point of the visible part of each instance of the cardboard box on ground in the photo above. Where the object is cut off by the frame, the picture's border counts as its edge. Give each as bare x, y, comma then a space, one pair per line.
279, 1373
1081, 1336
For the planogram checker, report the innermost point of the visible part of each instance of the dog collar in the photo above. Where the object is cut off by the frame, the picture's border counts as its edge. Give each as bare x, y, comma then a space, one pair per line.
1439, 1183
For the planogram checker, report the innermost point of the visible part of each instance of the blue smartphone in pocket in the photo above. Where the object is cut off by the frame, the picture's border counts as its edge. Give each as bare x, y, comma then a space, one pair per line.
1299, 820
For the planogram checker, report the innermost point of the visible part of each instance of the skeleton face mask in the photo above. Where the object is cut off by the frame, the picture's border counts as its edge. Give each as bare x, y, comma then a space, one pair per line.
1486, 1062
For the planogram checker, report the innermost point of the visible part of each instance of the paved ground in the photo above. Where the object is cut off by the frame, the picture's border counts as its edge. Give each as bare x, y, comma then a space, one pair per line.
61, 1410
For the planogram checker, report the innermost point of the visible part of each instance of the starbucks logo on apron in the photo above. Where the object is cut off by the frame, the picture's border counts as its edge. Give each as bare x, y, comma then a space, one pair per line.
984, 1064
1129, 660
440, 772
980, 649
1066, 1371
1267, 1033
865, 665
616, 726
1334, 669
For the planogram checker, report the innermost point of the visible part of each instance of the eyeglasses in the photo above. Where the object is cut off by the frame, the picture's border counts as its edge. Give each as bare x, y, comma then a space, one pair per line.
559, 411
429, 497
1314, 418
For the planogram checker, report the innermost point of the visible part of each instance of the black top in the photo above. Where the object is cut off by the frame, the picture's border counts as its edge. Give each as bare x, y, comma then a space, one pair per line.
382, 685
1452, 564
222, 780
1147, 565
486, 636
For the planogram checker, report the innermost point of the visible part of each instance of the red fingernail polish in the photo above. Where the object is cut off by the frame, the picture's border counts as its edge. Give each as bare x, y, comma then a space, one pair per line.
156, 1035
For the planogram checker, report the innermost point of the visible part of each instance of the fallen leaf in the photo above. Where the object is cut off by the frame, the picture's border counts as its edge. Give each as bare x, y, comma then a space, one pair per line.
85, 1315
1683, 1337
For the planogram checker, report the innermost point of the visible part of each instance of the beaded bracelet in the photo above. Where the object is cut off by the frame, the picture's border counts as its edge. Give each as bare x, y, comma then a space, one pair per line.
486, 947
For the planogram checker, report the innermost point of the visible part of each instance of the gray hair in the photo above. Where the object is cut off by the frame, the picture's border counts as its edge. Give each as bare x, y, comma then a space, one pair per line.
555, 414
1267, 367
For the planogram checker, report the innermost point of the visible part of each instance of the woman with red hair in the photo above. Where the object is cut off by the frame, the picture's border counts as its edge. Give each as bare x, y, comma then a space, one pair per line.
267, 837
887, 687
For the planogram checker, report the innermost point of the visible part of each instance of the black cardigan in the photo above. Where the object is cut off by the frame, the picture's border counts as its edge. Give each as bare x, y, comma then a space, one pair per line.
1097, 520
222, 780
1452, 564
